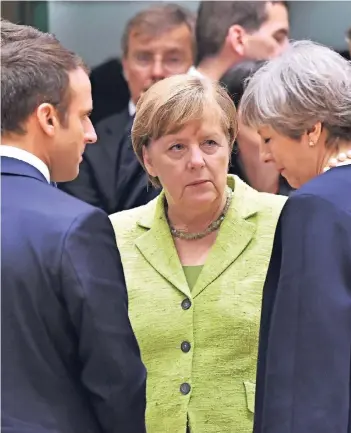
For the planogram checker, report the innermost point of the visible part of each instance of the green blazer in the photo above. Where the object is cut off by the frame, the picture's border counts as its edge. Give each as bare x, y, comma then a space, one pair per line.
212, 385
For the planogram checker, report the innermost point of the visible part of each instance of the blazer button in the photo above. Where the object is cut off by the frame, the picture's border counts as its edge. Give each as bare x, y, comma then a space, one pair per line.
185, 346
186, 304
185, 388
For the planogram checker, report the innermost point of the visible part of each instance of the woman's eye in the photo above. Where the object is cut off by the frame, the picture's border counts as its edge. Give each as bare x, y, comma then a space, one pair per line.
210, 143
176, 147
266, 140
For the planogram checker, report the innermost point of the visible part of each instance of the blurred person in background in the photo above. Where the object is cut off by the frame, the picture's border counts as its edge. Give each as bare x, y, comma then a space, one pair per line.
228, 32
300, 104
109, 89
246, 161
157, 43
195, 259
348, 39
69, 359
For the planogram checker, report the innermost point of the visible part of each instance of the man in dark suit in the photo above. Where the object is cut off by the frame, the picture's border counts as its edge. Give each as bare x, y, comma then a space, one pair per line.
304, 371
70, 361
157, 43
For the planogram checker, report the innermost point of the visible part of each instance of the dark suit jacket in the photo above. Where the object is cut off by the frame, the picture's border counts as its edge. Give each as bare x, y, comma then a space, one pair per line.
110, 175
109, 90
304, 365
69, 361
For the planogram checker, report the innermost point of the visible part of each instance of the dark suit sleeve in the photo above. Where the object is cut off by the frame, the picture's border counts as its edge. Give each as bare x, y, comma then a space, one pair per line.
95, 293
84, 187
307, 361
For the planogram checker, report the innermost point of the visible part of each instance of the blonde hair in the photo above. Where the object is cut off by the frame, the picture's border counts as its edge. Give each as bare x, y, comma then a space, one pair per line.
169, 105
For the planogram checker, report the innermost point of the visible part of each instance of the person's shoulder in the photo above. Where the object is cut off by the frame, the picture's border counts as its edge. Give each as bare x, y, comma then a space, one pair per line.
52, 215
130, 219
259, 202
68, 211
108, 131
113, 122
332, 187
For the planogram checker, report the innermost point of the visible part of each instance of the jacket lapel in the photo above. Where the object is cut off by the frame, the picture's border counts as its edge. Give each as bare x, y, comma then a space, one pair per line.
157, 246
234, 236
237, 231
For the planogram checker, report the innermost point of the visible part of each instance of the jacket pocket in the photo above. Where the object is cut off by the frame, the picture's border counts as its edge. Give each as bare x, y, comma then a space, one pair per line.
250, 395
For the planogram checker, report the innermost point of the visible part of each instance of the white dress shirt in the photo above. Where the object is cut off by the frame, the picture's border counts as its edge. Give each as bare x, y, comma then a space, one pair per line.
131, 108
29, 158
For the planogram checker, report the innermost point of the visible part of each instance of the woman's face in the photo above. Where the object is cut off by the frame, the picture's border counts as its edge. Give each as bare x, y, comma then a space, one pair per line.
191, 164
261, 175
296, 160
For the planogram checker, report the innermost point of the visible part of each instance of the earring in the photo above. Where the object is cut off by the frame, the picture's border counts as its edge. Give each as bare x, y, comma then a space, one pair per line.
311, 143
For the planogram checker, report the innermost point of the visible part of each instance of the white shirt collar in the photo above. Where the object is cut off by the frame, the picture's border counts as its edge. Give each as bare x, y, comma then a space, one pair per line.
195, 73
29, 158
131, 108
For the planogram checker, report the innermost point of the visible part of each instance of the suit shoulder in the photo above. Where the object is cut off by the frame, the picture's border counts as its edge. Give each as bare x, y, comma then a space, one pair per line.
66, 209
262, 202
129, 218
112, 122
333, 187
271, 201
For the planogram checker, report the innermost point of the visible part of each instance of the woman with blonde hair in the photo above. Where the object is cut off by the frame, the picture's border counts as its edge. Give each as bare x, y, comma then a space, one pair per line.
300, 104
195, 259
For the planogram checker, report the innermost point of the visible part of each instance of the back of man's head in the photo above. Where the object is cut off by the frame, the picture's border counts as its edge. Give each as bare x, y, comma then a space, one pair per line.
34, 70
11, 32
216, 18
45, 100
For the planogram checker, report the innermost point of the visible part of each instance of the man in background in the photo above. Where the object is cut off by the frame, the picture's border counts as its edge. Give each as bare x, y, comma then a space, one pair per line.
229, 32
70, 362
157, 43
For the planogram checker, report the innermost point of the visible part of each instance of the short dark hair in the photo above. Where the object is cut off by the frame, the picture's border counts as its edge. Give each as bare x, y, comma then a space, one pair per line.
33, 71
159, 19
11, 32
236, 78
215, 18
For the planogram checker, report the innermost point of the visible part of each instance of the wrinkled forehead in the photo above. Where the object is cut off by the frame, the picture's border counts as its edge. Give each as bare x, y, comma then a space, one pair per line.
176, 36
207, 117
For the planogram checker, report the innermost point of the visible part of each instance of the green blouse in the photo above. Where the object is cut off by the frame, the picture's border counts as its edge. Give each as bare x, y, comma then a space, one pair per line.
192, 274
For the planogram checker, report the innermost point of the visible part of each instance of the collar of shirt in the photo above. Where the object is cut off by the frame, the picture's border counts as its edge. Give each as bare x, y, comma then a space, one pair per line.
131, 108
29, 158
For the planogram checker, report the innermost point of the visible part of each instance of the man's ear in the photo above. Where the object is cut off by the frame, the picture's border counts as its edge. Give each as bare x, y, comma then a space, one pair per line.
236, 39
48, 118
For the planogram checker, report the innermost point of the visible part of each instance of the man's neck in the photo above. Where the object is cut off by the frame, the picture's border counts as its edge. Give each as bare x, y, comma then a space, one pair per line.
215, 67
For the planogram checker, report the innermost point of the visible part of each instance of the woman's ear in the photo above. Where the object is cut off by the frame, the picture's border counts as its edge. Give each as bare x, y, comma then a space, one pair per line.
314, 134
148, 161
